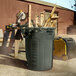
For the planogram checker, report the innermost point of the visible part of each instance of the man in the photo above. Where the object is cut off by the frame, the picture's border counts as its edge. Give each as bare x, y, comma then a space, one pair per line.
18, 38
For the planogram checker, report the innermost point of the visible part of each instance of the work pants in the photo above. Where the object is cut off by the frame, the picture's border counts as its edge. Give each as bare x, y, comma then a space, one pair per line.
17, 42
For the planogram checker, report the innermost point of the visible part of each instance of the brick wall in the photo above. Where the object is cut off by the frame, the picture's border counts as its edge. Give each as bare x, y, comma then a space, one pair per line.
66, 19
9, 9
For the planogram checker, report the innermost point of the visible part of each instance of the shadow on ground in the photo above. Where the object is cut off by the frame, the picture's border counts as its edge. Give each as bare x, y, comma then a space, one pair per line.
6, 59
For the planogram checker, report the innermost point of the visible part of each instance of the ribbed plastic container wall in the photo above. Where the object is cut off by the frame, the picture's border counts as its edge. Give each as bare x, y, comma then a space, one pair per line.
39, 48
71, 47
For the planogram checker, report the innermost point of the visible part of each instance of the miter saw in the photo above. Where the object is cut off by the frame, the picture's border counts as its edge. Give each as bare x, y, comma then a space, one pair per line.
20, 17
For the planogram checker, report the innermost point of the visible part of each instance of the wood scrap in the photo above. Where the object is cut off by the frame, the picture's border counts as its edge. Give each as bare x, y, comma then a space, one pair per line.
29, 16
53, 24
39, 25
55, 17
42, 19
37, 21
50, 16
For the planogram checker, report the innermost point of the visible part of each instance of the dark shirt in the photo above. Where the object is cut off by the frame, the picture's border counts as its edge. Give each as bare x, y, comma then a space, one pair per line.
18, 35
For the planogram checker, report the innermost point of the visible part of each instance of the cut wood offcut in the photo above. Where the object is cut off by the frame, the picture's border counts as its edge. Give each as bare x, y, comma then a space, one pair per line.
30, 16
50, 22
51, 18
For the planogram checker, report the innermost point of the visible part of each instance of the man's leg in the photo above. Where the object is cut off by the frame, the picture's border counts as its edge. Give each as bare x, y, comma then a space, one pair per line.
16, 47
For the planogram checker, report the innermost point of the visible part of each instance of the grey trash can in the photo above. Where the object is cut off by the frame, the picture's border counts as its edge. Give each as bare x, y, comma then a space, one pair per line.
39, 48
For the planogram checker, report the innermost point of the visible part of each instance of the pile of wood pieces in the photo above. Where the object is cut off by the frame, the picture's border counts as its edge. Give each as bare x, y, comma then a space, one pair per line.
50, 22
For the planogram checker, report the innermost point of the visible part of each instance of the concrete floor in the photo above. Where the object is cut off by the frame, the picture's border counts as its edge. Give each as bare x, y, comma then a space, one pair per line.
9, 66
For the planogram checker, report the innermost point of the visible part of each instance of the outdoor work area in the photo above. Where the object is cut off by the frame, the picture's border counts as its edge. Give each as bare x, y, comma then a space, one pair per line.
37, 38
